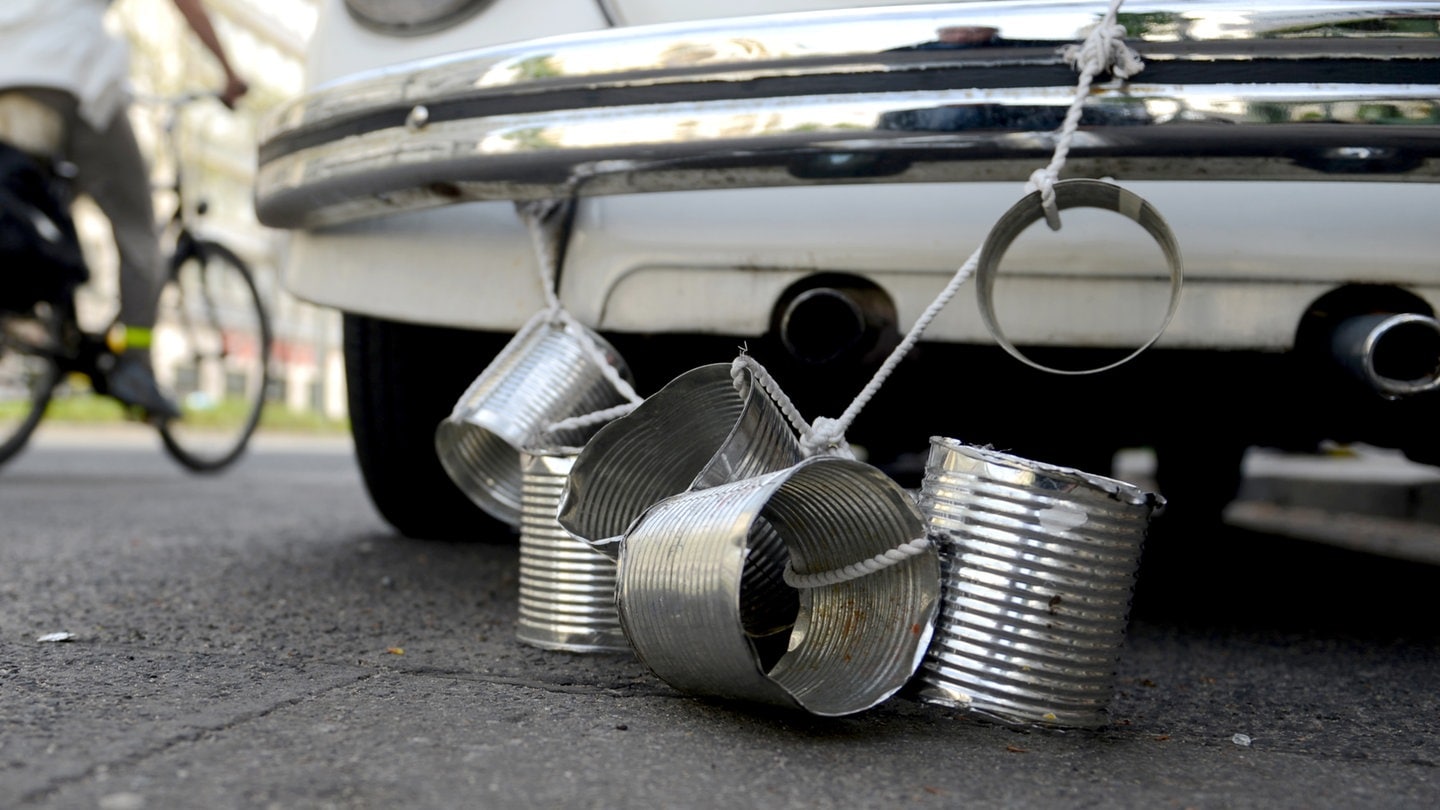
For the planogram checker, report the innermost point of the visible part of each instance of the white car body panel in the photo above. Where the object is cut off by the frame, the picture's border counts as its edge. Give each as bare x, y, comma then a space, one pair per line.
341, 47
671, 261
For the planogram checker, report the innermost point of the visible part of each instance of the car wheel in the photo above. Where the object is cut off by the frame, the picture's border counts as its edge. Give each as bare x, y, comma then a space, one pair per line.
402, 380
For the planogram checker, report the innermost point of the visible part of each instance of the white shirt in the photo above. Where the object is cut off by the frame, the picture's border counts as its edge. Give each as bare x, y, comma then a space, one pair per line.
64, 45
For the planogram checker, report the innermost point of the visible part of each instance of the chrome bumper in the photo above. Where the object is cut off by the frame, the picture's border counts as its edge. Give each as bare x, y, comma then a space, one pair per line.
931, 93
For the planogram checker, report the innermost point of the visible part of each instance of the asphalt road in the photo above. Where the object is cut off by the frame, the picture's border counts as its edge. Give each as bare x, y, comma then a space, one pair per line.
260, 639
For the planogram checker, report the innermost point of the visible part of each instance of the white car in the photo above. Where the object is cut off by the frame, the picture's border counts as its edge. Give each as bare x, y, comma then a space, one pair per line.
804, 178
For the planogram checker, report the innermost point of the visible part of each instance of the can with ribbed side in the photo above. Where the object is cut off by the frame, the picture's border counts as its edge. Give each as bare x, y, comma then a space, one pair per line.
701, 429
865, 611
567, 589
1038, 569
707, 426
552, 370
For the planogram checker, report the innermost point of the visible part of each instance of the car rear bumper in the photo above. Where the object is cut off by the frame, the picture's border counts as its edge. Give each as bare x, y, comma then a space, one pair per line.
933, 93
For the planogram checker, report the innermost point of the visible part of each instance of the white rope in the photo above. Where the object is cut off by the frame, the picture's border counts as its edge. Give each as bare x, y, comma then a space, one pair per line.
879, 562
534, 214
545, 238
593, 418
911, 338
1103, 50
600, 358
824, 438
597, 355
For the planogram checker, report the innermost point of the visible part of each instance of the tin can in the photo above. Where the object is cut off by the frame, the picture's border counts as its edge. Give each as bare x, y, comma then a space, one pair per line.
567, 589
698, 430
1038, 566
850, 644
546, 374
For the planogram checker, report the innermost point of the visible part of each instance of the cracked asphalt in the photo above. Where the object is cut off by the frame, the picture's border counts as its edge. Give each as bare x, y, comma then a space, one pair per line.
260, 639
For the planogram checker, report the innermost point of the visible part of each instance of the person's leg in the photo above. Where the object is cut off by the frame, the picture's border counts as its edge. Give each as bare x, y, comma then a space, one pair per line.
112, 171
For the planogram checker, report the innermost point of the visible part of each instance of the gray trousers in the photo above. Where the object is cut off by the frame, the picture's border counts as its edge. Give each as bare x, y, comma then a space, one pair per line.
112, 171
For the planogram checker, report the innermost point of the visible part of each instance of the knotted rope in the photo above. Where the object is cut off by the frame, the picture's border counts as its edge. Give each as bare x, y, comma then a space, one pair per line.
1103, 50
547, 222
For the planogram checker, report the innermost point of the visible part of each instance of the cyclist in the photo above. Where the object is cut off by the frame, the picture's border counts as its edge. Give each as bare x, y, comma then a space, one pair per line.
60, 53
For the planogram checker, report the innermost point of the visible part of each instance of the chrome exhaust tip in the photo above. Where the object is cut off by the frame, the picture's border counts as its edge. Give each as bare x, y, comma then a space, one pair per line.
1395, 354
829, 324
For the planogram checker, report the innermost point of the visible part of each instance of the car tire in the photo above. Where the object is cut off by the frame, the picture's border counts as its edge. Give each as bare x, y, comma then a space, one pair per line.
402, 380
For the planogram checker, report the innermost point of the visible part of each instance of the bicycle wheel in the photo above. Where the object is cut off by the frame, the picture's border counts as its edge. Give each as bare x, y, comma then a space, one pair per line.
211, 348
29, 345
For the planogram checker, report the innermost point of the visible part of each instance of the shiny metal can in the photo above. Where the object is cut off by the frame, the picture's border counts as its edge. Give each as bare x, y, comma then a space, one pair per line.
567, 589
698, 430
851, 643
547, 373
1038, 566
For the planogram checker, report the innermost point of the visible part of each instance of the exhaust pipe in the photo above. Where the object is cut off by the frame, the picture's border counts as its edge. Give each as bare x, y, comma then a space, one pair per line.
838, 323
1396, 355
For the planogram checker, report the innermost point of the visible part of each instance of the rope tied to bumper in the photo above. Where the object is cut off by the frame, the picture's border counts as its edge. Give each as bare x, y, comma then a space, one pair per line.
1103, 50
548, 223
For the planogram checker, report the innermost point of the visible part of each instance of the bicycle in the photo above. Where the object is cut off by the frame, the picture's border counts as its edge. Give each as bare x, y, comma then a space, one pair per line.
211, 344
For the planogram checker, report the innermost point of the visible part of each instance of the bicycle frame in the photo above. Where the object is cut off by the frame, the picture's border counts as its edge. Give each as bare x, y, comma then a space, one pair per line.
209, 305
176, 225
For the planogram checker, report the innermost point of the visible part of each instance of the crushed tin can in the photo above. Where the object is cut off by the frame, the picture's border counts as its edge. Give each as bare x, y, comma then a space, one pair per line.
567, 589
851, 642
699, 430
1039, 565
546, 374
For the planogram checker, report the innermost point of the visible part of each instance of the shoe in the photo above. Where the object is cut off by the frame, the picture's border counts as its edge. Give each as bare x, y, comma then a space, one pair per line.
132, 382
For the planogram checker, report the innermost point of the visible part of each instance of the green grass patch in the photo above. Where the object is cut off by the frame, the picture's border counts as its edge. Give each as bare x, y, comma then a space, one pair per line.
93, 409
279, 418
84, 408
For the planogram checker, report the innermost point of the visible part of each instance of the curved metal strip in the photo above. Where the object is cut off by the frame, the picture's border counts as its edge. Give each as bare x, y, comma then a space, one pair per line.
1077, 193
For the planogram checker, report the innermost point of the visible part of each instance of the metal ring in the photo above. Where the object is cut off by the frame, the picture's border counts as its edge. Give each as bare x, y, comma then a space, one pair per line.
1075, 193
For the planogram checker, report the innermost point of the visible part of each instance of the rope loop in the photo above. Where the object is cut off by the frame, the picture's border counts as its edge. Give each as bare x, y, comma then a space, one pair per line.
742, 365
548, 223
1043, 181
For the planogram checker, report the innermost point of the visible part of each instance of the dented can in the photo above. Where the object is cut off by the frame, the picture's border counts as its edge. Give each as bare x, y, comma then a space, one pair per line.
848, 645
701, 429
698, 430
